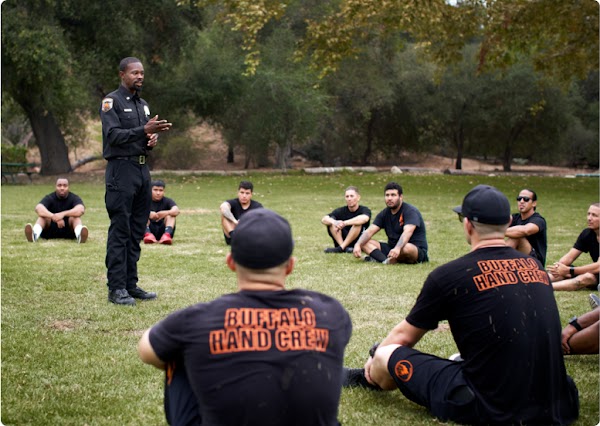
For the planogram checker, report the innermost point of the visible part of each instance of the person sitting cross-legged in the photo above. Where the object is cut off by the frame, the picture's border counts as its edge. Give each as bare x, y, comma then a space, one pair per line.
163, 213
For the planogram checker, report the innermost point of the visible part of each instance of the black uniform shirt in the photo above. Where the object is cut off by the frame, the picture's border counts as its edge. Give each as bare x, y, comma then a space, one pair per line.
123, 118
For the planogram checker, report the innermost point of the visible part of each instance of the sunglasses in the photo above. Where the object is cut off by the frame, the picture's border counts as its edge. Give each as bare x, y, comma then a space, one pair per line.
526, 199
461, 218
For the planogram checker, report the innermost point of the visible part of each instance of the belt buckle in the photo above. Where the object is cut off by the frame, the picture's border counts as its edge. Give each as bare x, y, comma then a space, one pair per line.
142, 159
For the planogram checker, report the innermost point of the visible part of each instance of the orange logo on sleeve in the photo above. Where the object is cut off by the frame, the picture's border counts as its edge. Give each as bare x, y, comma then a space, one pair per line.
403, 370
401, 219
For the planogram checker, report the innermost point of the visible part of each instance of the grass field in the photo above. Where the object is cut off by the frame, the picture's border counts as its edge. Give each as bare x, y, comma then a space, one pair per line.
69, 357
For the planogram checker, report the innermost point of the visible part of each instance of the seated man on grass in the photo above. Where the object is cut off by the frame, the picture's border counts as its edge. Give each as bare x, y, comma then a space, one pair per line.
527, 230
232, 210
59, 216
163, 211
565, 276
580, 336
345, 224
405, 230
264, 355
505, 322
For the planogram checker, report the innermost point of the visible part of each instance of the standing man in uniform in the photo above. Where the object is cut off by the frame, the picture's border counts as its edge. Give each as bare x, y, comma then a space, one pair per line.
500, 306
163, 211
345, 224
404, 227
261, 356
128, 134
59, 216
232, 210
527, 230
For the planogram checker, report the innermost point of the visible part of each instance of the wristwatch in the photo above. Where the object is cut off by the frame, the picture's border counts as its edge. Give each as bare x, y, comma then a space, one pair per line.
373, 349
572, 271
574, 323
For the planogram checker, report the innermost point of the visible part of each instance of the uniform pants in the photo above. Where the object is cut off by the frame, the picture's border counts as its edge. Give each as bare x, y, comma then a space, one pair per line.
128, 197
181, 407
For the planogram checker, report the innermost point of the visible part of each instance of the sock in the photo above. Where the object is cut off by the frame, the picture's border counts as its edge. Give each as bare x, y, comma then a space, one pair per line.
37, 230
378, 255
78, 230
169, 230
148, 230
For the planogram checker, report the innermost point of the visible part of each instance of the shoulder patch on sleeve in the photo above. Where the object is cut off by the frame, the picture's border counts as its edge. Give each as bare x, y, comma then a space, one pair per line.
107, 104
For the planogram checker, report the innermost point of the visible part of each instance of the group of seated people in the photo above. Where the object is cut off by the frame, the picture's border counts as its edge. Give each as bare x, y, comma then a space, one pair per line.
267, 355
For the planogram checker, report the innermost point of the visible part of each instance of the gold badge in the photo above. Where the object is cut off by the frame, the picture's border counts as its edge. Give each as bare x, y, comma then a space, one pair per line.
107, 104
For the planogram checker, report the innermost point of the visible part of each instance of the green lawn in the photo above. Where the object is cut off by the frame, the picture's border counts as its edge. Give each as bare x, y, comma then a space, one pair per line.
69, 357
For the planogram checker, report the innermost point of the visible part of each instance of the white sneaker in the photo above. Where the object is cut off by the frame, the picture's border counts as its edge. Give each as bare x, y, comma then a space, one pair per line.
29, 233
456, 357
83, 235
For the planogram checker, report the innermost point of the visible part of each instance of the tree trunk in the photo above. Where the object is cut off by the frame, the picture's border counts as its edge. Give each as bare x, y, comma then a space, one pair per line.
49, 139
459, 141
230, 154
370, 137
512, 138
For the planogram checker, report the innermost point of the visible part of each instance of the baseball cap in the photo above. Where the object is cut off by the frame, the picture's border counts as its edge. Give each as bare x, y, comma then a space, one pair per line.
262, 240
485, 204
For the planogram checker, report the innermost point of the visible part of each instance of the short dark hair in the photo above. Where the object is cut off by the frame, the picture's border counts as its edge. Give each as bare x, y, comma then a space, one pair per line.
245, 184
126, 61
352, 188
533, 196
393, 185
158, 182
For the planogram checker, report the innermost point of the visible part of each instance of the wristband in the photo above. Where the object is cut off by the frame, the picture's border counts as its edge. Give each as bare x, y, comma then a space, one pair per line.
373, 349
572, 271
574, 323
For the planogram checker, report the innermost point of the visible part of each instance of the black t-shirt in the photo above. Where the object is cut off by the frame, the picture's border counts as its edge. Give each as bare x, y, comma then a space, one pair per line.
165, 203
55, 204
393, 224
538, 241
237, 210
344, 213
500, 306
260, 357
587, 242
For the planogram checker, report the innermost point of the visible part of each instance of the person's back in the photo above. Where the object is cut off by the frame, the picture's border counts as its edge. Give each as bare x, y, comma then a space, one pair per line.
501, 309
263, 358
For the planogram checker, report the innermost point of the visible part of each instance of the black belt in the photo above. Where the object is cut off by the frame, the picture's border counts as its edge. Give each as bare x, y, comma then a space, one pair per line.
139, 159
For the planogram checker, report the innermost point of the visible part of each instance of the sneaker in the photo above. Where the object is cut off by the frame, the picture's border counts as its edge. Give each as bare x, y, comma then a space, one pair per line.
83, 235
355, 378
29, 233
165, 239
138, 293
370, 259
456, 357
337, 249
149, 238
120, 297
386, 261
594, 301
349, 250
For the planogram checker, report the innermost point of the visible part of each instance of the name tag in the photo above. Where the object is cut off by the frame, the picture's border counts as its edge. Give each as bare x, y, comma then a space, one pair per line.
127, 110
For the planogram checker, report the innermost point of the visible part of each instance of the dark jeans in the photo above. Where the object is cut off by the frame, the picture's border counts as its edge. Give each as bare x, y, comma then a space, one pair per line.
128, 197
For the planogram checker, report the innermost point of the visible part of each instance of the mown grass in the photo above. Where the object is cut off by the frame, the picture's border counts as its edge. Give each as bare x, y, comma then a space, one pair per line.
69, 357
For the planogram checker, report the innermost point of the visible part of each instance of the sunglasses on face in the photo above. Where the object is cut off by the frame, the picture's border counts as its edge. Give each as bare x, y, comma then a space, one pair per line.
526, 199
461, 218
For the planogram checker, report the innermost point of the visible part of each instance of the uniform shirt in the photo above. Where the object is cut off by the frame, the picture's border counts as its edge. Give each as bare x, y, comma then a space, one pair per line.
260, 357
165, 203
123, 118
55, 204
587, 242
393, 224
344, 213
538, 241
500, 306
237, 210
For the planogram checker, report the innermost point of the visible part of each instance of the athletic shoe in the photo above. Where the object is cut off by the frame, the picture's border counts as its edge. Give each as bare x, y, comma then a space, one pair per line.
386, 261
355, 378
138, 293
337, 249
370, 259
149, 238
120, 297
29, 233
83, 235
349, 250
166, 239
456, 357
594, 301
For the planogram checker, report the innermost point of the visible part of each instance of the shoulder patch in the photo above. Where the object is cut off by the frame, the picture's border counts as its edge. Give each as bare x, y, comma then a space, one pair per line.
107, 104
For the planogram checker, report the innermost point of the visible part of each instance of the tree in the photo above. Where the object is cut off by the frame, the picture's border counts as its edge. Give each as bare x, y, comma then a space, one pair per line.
56, 66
